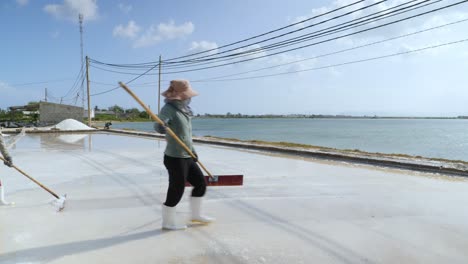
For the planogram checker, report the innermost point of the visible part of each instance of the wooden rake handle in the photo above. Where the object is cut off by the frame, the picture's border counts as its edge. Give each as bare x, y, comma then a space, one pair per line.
34, 180
168, 130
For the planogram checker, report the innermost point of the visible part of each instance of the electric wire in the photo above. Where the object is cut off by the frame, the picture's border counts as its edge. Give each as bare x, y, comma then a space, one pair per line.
74, 86
144, 65
316, 43
342, 51
248, 53
310, 36
269, 32
344, 63
40, 82
132, 80
324, 41
275, 45
150, 64
136, 84
120, 72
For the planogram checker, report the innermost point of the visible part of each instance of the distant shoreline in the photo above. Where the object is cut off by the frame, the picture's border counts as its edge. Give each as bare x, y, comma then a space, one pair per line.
102, 122
328, 117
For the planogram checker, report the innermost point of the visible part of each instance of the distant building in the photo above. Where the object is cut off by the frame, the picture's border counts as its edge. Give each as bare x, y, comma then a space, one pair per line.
104, 112
51, 113
85, 114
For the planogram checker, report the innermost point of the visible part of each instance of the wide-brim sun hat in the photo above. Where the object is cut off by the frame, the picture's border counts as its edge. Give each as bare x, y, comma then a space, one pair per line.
179, 90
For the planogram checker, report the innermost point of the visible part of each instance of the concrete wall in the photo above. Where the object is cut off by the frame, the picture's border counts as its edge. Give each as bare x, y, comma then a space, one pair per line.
51, 113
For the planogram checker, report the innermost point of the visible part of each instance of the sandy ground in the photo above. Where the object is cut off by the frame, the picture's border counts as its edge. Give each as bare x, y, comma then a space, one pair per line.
290, 210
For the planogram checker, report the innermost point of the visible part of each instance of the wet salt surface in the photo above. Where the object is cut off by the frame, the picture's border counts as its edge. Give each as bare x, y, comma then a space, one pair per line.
290, 210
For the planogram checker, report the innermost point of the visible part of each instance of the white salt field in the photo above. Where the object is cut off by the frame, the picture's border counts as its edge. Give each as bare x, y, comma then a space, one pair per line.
289, 210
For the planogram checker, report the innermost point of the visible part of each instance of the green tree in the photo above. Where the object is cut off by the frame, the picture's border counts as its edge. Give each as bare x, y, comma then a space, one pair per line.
143, 114
116, 109
132, 112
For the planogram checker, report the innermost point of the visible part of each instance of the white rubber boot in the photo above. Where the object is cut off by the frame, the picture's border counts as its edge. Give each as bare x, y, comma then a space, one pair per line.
195, 205
169, 219
2, 197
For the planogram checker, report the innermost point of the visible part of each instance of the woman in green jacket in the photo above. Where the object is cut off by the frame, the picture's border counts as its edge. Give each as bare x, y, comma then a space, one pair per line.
181, 167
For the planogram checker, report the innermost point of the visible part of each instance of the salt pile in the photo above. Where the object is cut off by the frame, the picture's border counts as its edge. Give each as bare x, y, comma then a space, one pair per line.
72, 124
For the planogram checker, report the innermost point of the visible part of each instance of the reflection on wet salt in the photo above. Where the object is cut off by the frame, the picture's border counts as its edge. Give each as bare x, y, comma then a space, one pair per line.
65, 141
72, 139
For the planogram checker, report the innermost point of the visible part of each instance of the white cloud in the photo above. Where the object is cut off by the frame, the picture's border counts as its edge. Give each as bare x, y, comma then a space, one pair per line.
22, 2
130, 31
164, 31
125, 8
71, 8
203, 46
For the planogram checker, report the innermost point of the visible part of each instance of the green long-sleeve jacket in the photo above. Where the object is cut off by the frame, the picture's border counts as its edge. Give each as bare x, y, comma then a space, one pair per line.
181, 124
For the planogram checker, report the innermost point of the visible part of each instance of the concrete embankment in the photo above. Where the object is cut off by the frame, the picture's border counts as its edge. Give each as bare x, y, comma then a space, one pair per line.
449, 167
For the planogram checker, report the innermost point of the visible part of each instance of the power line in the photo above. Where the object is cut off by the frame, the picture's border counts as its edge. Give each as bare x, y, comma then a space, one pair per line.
340, 51
249, 52
41, 82
150, 64
139, 76
342, 64
324, 41
128, 66
275, 37
307, 37
74, 86
269, 32
304, 46
120, 72
136, 84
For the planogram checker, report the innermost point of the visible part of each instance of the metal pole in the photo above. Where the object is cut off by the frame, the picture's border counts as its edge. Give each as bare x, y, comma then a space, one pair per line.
80, 19
89, 97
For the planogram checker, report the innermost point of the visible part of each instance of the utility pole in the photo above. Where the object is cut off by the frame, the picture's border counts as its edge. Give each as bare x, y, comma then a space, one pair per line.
80, 19
87, 85
159, 86
45, 95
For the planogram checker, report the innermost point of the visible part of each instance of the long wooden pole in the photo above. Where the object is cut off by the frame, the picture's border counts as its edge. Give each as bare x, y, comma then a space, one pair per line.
34, 180
168, 130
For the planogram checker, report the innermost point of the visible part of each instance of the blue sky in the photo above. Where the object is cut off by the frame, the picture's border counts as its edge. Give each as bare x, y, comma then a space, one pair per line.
40, 49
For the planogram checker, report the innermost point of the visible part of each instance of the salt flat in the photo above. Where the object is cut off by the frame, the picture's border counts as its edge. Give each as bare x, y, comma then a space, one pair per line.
290, 209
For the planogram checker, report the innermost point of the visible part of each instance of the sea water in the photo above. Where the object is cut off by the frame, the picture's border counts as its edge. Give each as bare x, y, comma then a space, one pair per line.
434, 138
